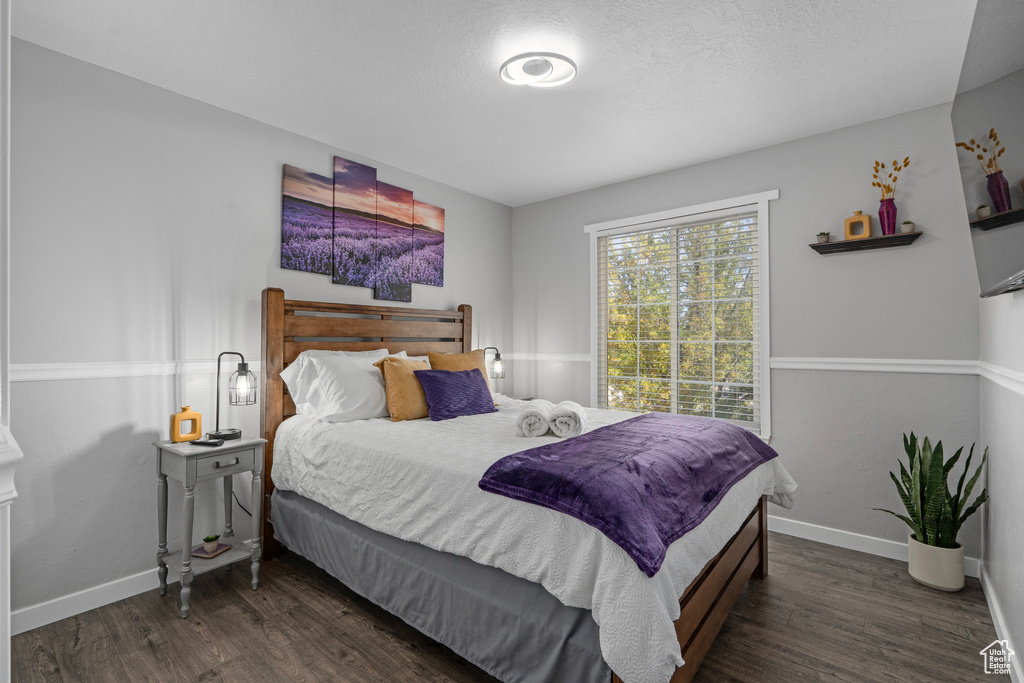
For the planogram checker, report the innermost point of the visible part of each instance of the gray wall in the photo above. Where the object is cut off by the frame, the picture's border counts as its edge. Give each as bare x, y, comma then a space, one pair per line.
997, 252
838, 432
145, 224
1000, 104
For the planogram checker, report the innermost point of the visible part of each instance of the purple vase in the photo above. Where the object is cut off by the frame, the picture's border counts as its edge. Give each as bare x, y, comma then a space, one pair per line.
999, 191
887, 216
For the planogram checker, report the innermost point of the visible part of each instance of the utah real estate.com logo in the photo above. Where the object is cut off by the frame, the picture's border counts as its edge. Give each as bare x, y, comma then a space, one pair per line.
997, 657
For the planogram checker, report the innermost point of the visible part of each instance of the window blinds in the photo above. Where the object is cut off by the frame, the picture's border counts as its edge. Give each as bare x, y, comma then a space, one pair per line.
678, 318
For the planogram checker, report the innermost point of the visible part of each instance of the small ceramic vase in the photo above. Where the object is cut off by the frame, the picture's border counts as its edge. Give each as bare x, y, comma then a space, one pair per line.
887, 216
857, 226
186, 419
999, 191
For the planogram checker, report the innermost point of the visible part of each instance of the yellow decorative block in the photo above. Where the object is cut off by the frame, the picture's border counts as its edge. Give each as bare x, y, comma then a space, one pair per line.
178, 421
858, 226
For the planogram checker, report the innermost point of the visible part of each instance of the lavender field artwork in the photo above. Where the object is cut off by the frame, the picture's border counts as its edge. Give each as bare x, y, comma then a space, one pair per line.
355, 223
427, 244
361, 232
306, 221
393, 243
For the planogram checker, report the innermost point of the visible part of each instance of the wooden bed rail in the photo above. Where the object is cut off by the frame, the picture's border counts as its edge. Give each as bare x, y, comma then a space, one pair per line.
292, 326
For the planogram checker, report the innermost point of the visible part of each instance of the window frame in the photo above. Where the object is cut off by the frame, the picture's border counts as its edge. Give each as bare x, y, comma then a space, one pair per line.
707, 211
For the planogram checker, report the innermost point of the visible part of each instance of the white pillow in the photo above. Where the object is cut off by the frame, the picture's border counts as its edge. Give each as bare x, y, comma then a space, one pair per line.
403, 354
300, 374
345, 389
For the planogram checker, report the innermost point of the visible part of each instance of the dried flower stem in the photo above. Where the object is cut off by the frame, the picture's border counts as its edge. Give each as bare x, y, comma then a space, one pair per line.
980, 152
888, 185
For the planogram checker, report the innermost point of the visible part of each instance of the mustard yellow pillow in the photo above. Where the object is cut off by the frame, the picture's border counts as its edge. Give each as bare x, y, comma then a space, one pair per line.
380, 364
460, 361
402, 390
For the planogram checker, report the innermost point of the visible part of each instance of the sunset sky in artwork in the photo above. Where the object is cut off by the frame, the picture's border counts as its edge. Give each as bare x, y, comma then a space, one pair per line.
429, 216
309, 187
355, 186
394, 203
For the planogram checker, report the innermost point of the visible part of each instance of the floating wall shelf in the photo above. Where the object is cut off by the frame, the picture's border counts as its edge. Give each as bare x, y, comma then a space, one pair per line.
897, 240
999, 220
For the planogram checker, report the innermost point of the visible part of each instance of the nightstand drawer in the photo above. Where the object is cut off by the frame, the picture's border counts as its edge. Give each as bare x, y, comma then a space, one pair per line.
218, 465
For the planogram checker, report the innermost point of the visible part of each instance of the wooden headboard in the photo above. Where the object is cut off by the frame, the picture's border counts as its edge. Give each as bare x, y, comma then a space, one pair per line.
291, 327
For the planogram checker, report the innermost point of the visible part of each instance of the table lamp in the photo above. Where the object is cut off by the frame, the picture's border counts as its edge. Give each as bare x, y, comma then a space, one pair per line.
241, 392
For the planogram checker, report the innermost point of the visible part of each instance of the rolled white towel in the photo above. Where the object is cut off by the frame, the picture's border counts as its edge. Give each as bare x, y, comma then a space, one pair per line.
535, 418
568, 418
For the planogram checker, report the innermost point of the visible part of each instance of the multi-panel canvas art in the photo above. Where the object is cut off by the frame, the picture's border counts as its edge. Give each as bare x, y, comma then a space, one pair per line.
306, 221
355, 223
427, 244
394, 243
360, 231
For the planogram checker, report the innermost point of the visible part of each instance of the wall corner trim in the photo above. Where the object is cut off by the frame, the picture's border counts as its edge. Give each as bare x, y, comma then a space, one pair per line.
1002, 632
1004, 377
34, 616
850, 540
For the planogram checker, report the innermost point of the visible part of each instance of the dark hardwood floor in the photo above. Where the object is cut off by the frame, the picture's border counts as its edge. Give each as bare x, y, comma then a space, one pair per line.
823, 614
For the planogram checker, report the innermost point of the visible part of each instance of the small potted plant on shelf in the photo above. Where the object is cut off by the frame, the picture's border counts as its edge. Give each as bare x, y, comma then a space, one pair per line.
984, 211
823, 237
210, 543
907, 226
935, 515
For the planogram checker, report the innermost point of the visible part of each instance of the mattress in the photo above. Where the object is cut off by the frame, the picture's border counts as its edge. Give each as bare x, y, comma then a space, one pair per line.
417, 481
475, 610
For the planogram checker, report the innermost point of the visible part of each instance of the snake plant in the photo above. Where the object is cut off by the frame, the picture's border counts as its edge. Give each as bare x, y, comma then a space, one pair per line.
935, 515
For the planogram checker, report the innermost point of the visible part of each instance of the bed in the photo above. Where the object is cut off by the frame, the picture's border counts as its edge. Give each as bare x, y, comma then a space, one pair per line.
520, 624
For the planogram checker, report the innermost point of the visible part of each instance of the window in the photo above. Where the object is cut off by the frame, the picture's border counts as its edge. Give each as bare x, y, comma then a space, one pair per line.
680, 319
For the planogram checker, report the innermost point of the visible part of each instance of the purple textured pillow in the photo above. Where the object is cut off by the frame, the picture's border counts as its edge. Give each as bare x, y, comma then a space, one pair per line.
451, 393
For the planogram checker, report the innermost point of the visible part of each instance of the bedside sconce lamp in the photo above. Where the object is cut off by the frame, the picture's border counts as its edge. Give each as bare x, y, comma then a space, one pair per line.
241, 392
498, 368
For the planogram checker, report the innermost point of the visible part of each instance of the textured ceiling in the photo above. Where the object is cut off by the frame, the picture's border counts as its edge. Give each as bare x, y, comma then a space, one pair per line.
414, 84
995, 47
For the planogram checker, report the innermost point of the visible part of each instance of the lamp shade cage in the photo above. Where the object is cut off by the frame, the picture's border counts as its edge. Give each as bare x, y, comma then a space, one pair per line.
242, 386
498, 366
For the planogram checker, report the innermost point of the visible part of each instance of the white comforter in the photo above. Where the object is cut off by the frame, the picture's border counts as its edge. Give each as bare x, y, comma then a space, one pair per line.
417, 480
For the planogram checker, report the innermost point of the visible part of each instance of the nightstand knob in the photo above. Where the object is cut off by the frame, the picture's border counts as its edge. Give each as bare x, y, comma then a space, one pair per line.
217, 464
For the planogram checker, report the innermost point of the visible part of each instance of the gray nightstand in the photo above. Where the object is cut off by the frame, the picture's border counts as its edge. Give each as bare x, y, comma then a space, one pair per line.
191, 464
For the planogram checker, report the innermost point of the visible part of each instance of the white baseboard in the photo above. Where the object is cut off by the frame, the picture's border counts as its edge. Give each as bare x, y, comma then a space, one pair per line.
894, 550
1002, 633
34, 616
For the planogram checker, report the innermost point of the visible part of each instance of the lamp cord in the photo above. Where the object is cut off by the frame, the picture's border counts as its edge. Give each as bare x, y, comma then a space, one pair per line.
235, 496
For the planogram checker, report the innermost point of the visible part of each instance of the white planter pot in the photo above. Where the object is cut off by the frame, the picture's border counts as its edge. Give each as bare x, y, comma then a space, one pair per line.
211, 546
984, 213
907, 227
941, 568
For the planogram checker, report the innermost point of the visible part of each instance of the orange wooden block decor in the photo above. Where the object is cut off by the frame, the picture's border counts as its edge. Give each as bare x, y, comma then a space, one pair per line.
858, 226
178, 420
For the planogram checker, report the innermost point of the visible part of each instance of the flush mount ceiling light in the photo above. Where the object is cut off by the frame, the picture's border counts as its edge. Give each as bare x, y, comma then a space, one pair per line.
539, 69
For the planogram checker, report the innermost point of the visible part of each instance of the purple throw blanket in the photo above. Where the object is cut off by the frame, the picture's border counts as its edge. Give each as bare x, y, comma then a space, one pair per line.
643, 482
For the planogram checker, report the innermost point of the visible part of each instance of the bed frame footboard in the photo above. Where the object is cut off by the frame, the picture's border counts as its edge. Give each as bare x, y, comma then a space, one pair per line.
709, 599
